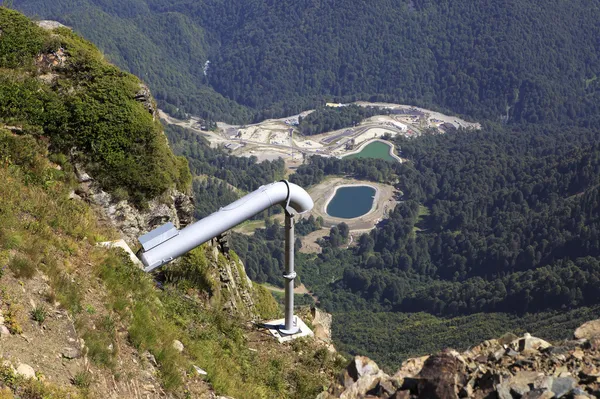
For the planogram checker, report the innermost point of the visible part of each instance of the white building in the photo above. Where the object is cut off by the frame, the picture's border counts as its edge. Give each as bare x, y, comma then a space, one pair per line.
400, 126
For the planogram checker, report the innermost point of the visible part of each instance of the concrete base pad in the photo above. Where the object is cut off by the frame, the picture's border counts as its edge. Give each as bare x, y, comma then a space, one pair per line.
275, 326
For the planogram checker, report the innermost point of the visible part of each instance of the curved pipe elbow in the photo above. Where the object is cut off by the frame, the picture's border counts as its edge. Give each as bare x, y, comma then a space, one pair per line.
300, 200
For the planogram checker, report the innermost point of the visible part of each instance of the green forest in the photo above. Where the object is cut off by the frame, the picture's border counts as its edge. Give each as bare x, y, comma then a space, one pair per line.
497, 230
512, 226
505, 60
509, 240
220, 178
327, 119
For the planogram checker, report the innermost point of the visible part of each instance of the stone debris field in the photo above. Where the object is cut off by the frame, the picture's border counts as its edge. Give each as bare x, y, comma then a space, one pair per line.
510, 367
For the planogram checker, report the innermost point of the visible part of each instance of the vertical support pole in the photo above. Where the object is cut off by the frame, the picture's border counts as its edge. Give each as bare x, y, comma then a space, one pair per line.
290, 326
292, 142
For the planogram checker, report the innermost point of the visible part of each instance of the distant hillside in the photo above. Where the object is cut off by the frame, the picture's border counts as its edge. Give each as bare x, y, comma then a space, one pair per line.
522, 59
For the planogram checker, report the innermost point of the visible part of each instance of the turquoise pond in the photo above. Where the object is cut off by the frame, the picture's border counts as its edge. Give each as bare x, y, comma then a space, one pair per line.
376, 149
351, 202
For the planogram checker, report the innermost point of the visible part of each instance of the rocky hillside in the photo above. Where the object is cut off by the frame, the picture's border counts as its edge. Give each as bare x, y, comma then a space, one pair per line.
510, 367
84, 165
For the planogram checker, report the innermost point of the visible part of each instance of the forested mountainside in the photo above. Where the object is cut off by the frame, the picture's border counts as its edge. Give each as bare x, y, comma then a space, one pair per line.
327, 119
501, 220
496, 230
522, 60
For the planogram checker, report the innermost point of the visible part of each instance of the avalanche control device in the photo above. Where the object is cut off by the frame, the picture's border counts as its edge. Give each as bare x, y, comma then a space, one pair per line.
165, 243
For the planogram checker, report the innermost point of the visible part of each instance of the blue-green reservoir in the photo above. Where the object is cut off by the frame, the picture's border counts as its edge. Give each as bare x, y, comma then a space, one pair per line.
375, 149
351, 202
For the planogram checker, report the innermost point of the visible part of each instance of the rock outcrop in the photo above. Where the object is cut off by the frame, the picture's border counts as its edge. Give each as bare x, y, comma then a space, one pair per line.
507, 368
145, 97
50, 25
174, 206
321, 322
234, 285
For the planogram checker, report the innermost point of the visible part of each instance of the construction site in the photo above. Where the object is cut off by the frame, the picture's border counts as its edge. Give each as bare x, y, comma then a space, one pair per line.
280, 138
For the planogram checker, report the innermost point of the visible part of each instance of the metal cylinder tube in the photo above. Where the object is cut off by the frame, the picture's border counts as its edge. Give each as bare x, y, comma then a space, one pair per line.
287, 194
290, 326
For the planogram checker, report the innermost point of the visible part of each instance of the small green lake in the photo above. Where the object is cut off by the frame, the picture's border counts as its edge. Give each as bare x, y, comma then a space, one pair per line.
376, 149
351, 202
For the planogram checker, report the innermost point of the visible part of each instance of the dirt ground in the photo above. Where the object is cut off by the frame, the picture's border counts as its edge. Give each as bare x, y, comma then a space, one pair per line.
309, 241
433, 115
301, 289
383, 203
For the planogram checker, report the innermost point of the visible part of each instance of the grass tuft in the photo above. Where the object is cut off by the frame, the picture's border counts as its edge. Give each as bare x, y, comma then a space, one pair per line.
39, 314
82, 380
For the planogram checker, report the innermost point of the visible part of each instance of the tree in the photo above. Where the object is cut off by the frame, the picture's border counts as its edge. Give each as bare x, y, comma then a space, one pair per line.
344, 230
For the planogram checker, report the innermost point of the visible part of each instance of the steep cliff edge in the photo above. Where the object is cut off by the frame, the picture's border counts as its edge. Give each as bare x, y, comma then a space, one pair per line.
131, 221
77, 319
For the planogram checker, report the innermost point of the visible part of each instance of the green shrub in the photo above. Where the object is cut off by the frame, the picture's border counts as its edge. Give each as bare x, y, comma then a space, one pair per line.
92, 106
22, 267
184, 181
67, 292
21, 39
10, 240
266, 306
20, 150
168, 359
25, 388
98, 343
193, 271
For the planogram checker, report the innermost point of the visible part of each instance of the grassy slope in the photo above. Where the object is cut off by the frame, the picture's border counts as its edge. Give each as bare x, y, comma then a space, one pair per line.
44, 231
